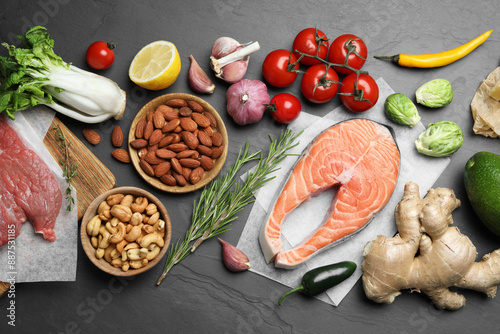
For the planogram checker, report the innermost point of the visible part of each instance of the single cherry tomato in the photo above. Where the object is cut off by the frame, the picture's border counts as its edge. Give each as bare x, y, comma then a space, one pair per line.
360, 97
317, 87
275, 68
348, 46
100, 55
307, 41
285, 107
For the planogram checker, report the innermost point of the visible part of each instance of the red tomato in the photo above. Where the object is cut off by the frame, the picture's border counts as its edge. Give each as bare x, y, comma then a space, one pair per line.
275, 68
362, 97
316, 87
100, 55
307, 42
285, 107
343, 45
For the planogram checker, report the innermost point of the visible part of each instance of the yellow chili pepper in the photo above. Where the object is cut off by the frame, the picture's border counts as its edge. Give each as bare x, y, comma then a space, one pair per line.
438, 59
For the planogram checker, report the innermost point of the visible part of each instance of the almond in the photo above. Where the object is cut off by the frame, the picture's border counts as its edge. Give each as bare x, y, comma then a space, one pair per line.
164, 109
217, 139
117, 136
149, 116
178, 147
204, 150
142, 152
217, 151
171, 125
156, 136
121, 155
158, 119
92, 137
147, 168
185, 111
209, 131
176, 103
195, 106
186, 154
186, 172
139, 130
177, 130
152, 159
148, 130
152, 148
190, 139
196, 175
171, 114
211, 118
176, 166
189, 162
179, 179
168, 180
163, 153
162, 169
176, 137
206, 162
165, 141
139, 143
188, 124
201, 120
204, 138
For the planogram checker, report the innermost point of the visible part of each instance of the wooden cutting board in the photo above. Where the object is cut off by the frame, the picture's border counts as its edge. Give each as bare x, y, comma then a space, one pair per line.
93, 177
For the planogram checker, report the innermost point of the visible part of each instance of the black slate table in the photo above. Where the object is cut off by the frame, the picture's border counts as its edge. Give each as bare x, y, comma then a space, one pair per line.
200, 295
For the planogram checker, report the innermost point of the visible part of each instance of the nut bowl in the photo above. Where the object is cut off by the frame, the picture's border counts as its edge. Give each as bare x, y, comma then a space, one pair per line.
116, 242
173, 146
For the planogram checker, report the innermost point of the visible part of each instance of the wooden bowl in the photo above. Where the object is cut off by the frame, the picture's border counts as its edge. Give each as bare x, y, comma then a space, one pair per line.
209, 175
92, 211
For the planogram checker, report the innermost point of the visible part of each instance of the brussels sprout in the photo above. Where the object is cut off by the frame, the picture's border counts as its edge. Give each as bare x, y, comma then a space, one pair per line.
435, 93
440, 139
400, 109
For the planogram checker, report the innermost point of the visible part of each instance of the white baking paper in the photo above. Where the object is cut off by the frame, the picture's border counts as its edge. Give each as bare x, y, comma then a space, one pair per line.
302, 221
32, 258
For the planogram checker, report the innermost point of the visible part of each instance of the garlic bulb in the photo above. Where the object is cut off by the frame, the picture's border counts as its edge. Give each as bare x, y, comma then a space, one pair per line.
198, 80
247, 101
227, 51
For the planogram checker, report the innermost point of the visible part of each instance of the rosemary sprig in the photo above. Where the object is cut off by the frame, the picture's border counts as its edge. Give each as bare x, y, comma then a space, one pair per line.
69, 169
220, 201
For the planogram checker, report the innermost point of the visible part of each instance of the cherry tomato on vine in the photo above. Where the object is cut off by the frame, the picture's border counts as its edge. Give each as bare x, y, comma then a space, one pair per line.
285, 107
361, 97
307, 42
317, 87
100, 55
275, 68
344, 45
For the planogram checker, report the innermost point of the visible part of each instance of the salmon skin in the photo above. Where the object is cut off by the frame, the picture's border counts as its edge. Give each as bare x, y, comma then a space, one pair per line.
358, 156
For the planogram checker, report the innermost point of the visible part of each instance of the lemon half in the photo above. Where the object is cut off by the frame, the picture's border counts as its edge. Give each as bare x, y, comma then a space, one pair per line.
156, 66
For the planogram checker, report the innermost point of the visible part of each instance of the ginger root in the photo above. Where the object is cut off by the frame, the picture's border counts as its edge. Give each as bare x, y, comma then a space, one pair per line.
427, 255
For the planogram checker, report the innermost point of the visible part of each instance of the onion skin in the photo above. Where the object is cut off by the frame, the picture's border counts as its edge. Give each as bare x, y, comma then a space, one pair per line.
247, 101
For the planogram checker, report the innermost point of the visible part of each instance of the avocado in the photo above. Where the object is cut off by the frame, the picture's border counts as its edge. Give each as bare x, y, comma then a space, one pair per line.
482, 183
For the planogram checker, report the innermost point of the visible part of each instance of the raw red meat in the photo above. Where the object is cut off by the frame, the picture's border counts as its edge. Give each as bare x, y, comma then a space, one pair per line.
28, 188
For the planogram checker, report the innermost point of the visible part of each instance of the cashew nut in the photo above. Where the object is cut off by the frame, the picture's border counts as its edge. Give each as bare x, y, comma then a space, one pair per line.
154, 218
127, 200
136, 264
139, 205
93, 226
153, 252
132, 245
117, 262
105, 215
104, 239
151, 209
107, 252
134, 233
103, 207
151, 239
121, 245
119, 235
136, 219
125, 266
121, 212
115, 254
94, 242
137, 254
99, 253
111, 229
114, 221
114, 199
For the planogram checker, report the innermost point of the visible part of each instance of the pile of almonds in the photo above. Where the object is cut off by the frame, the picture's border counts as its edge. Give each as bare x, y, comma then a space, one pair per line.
178, 142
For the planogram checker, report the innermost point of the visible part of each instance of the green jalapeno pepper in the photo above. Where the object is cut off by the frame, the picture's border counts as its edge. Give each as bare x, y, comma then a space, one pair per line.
320, 279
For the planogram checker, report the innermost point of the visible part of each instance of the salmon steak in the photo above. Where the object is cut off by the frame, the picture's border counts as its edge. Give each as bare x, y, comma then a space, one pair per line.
361, 160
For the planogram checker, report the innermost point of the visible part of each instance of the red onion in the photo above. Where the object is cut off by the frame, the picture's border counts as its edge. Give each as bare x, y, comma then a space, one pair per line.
247, 100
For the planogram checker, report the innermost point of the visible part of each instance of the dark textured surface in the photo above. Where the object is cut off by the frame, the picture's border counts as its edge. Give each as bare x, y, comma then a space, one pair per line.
200, 295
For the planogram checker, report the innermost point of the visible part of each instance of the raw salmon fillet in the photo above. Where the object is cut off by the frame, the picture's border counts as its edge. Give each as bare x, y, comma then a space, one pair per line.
358, 156
28, 188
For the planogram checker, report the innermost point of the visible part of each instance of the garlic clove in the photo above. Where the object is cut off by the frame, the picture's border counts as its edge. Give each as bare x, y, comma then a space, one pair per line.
233, 258
198, 80
234, 72
224, 46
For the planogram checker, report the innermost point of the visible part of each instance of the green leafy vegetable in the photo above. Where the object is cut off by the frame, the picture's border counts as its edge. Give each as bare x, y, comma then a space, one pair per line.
400, 109
435, 93
224, 198
34, 75
440, 139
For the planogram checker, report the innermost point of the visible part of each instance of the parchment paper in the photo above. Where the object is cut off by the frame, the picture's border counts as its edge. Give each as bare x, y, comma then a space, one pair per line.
485, 109
36, 259
302, 221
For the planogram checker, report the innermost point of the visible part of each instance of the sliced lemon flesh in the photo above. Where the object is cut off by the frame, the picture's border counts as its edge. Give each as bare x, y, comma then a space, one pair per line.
156, 66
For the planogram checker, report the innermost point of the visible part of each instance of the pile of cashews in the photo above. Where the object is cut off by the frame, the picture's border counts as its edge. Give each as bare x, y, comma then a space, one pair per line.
127, 231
